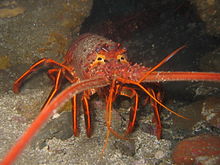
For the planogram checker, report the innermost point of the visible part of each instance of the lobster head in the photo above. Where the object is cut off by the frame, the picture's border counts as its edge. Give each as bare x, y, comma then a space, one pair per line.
111, 62
95, 56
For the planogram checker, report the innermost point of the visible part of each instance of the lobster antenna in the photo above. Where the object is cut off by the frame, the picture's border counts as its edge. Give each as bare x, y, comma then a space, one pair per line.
161, 63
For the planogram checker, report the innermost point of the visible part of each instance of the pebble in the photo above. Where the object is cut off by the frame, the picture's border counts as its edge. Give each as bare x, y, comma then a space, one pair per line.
159, 154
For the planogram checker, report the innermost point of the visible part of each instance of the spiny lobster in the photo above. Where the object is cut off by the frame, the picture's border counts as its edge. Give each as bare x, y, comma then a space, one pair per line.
95, 64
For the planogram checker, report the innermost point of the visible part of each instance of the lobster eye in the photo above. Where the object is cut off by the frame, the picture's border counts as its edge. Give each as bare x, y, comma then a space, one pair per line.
100, 58
122, 58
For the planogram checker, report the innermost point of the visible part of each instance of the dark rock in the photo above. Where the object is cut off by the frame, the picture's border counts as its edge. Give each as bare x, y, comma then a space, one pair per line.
60, 128
209, 12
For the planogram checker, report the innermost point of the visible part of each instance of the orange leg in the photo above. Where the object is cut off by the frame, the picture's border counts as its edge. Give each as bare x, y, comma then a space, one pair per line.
156, 112
57, 84
155, 102
36, 67
127, 81
74, 115
52, 74
114, 91
87, 114
56, 75
133, 114
108, 116
133, 110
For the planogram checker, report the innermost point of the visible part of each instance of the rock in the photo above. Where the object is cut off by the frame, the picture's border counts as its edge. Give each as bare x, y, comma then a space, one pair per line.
205, 160
209, 12
10, 9
211, 111
126, 147
191, 111
210, 62
5, 62
159, 154
40, 28
190, 151
203, 127
60, 128
204, 117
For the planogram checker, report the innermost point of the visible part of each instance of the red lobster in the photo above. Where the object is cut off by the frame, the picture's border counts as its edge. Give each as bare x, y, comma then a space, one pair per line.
95, 64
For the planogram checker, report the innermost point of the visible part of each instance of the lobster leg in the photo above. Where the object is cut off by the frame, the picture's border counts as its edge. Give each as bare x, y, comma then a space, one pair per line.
154, 105
108, 116
133, 110
74, 115
87, 114
34, 68
127, 81
113, 91
133, 114
57, 83
52, 74
156, 112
